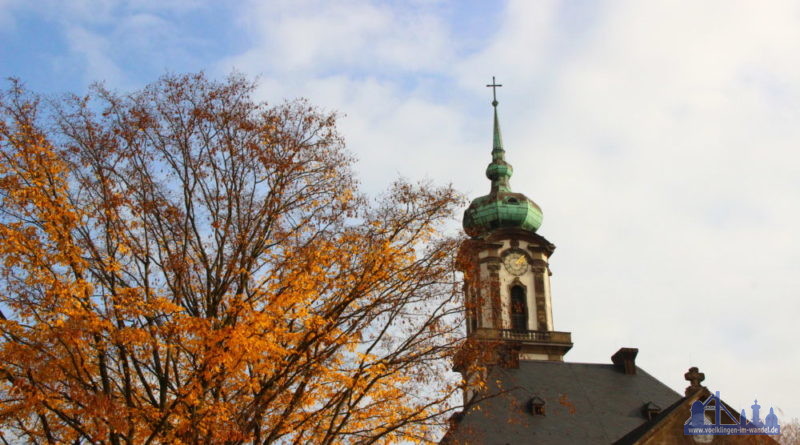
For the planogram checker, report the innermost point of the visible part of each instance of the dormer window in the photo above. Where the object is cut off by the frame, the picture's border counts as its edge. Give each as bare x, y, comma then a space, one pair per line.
512, 201
650, 410
536, 406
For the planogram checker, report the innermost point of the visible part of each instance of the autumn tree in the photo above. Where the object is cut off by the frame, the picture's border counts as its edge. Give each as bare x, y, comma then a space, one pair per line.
790, 433
185, 264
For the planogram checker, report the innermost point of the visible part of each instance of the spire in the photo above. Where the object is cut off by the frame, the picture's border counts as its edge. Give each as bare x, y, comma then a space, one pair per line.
497, 145
499, 171
501, 208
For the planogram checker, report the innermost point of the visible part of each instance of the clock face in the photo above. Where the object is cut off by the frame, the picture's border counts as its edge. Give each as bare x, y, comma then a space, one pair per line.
516, 263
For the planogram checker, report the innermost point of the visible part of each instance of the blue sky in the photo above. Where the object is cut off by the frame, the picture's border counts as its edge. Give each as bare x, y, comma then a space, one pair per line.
660, 139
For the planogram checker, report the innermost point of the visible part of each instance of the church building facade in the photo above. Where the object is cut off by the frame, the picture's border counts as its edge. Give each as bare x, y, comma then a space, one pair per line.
520, 389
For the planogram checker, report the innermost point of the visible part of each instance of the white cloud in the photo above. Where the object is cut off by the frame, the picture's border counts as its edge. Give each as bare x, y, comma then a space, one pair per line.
518, 52
7, 22
353, 58
107, 12
104, 37
5, 15
96, 52
662, 147
312, 37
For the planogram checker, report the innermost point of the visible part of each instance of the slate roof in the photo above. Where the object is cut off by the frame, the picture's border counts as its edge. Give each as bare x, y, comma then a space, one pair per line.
584, 403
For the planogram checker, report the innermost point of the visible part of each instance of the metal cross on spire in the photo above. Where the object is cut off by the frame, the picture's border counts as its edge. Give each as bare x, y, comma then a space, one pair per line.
494, 86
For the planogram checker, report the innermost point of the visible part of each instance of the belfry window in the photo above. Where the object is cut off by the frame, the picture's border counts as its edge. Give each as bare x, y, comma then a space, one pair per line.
519, 309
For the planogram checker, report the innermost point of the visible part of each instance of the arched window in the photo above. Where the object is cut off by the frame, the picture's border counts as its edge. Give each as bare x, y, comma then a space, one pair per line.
519, 309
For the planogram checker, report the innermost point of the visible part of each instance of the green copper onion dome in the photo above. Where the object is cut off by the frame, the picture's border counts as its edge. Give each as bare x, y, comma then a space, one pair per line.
501, 208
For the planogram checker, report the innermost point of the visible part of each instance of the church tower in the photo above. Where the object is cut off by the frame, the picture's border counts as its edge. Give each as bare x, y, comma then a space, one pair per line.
517, 386
506, 274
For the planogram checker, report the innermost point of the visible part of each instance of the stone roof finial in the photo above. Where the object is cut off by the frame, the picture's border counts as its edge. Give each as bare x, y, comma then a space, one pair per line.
694, 377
